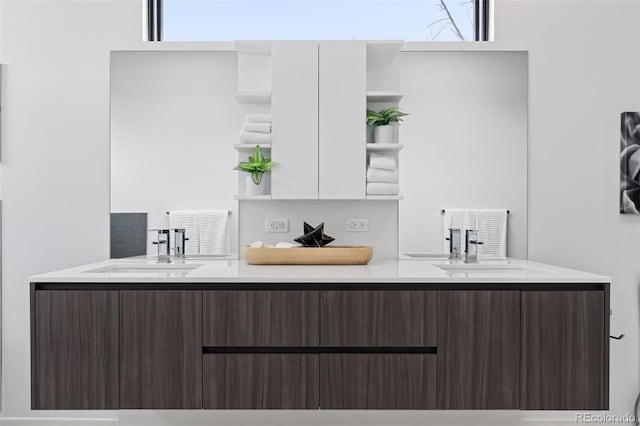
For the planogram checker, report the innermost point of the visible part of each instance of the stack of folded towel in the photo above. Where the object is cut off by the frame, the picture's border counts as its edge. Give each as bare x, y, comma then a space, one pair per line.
256, 129
382, 174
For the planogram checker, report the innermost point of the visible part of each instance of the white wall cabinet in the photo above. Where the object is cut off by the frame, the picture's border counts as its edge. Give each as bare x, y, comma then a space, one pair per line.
318, 107
294, 111
343, 102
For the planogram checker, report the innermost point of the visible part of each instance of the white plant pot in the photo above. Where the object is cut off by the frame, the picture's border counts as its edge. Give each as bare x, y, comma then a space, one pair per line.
396, 132
383, 134
251, 189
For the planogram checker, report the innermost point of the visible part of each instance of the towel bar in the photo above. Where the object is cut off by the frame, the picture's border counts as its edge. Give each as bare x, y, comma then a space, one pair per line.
443, 211
228, 212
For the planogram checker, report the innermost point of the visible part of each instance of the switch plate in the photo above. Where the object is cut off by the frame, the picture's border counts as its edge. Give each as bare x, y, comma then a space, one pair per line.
276, 225
357, 225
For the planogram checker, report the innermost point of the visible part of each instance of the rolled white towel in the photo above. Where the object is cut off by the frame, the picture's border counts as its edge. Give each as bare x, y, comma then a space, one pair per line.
257, 127
382, 161
382, 175
258, 118
255, 138
377, 188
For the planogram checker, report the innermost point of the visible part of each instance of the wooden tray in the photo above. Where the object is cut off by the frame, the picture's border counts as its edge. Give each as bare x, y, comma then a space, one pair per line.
330, 255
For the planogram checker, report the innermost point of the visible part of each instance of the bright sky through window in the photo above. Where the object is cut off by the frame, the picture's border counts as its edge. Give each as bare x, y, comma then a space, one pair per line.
412, 20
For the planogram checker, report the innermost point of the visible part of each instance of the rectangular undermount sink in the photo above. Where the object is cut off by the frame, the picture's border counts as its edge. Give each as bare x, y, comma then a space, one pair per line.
436, 256
479, 268
145, 269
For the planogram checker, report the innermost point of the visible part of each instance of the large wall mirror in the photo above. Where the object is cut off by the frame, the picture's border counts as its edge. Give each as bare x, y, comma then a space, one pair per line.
173, 117
174, 120
465, 143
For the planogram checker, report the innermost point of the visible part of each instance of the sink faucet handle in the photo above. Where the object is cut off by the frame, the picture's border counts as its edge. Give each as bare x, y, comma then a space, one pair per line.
471, 244
454, 243
179, 242
163, 245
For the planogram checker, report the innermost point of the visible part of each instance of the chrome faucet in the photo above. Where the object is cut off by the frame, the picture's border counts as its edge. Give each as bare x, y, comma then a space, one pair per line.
471, 244
179, 240
163, 245
454, 243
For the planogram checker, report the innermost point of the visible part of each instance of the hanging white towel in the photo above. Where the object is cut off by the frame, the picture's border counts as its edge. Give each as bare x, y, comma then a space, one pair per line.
382, 161
213, 228
375, 188
491, 225
257, 127
382, 175
188, 220
258, 118
255, 138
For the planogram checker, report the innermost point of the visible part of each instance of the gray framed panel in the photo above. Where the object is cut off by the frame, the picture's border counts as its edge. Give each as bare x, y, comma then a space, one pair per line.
128, 235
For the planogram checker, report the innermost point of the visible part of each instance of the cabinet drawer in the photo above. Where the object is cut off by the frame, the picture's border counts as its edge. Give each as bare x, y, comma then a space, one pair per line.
260, 381
378, 318
160, 349
260, 318
378, 381
76, 350
564, 339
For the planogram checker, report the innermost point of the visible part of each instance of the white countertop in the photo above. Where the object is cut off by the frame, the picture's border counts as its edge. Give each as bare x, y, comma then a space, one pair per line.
380, 271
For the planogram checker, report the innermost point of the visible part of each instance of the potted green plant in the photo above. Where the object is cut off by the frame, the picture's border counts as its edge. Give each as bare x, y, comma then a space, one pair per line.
257, 166
383, 123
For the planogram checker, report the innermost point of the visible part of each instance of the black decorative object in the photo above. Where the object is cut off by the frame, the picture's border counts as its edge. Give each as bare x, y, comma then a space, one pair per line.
314, 237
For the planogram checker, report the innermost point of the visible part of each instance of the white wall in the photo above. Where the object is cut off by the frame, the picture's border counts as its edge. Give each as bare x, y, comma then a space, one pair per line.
55, 142
382, 216
465, 142
584, 68
174, 121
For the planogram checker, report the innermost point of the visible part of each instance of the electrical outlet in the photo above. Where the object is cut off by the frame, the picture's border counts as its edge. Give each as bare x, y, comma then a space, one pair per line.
276, 225
358, 225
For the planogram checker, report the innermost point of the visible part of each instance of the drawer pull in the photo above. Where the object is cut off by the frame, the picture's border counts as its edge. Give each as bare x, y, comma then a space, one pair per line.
319, 350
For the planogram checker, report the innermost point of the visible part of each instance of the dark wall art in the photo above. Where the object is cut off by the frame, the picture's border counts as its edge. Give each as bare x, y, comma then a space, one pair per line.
630, 162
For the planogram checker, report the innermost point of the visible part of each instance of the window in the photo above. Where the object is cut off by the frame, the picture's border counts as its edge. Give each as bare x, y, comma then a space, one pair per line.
225, 20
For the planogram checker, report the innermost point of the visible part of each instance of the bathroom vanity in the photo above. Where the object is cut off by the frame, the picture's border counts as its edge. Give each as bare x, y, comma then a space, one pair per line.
397, 334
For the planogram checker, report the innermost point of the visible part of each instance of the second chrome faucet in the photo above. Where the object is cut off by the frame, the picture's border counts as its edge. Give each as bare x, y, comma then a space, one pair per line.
470, 244
164, 250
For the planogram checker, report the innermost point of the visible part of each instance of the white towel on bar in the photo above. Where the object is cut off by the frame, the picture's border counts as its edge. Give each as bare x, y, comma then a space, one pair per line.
377, 188
382, 175
491, 225
257, 127
213, 230
382, 161
254, 137
188, 220
258, 118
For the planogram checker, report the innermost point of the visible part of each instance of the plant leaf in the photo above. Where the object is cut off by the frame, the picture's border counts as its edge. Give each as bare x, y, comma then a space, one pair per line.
256, 177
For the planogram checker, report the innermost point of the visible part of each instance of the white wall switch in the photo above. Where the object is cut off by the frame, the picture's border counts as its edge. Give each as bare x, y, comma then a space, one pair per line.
276, 225
357, 225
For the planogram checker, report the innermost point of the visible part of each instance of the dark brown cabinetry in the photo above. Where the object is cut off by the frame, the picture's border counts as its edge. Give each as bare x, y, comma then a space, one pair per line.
241, 381
161, 349
378, 318
333, 346
75, 350
260, 318
378, 381
478, 349
563, 350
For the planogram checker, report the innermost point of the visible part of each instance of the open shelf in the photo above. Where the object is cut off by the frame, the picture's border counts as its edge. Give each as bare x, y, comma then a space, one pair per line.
384, 146
252, 198
384, 96
384, 197
253, 97
251, 146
